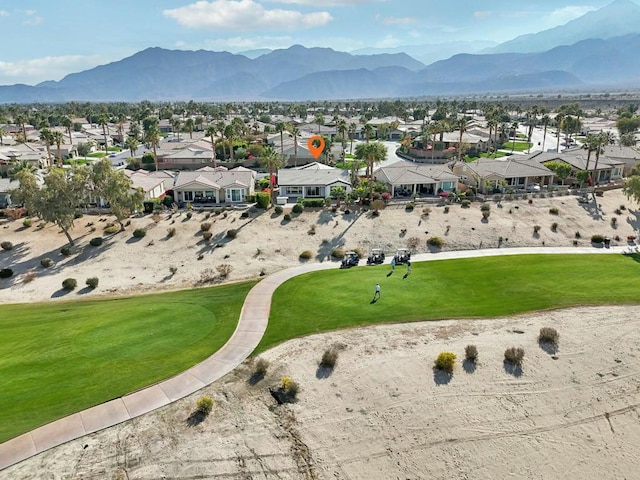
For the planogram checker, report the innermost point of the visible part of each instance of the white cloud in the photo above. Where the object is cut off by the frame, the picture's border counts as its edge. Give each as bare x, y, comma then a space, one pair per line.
482, 15
46, 68
395, 20
30, 12
387, 42
33, 19
328, 3
563, 15
243, 15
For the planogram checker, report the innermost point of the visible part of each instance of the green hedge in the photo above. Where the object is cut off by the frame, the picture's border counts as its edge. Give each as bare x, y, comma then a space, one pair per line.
263, 199
312, 202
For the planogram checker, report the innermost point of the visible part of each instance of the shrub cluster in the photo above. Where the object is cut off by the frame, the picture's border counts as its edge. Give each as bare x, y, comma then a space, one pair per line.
262, 366
290, 388
287, 217
471, 353
139, 233
446, 361
232, 233
207, 236
69, 283
338, 253
92, 282
278, 209
65, 251
205, 226
514, 355
6, 273
46, 262
409, 207
465, 203
313, 202
597, 238
549, 335
413, 243
6, 246
554, 211
95, 241
435, 242
329, 358
111, 229
297, 208
224, 270
306, 255
204, 405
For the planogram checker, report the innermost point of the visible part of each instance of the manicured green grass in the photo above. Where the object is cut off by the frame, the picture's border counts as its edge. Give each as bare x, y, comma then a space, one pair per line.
59, 358
519, 146
97, 154
465, 288
485, 155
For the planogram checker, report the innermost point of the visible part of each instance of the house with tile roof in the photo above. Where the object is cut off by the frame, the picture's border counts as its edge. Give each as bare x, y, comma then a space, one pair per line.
408, 178
515, 172
314, 180
214, 185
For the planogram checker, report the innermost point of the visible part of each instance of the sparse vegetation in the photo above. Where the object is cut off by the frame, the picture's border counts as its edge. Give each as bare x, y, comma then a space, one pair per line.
139, 233
471, 353
278, 209
409, 207
338, 253
92, 282
306, 255
95, 241
597, 239
554, 211
46, 262
435, 242
224, 270
29, 276
69, 284
205, 226
465, 203
6, 273
297, 208
261, 367
578, 236
204, 405
413, 243
207, 236
287, 217
173, 270
426, 211
536, 228
485, 208
312, 230
65, 251
549, 335
232, 233
329, 358
446, 361
26, 223
554, 227
6, 246
171, 232
111, 229
290, 388
514, 355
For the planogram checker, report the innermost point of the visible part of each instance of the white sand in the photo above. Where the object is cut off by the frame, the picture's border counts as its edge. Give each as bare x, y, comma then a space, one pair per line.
382, 413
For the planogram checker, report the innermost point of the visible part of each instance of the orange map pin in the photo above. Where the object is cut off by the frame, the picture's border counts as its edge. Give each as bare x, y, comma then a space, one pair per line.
316, 146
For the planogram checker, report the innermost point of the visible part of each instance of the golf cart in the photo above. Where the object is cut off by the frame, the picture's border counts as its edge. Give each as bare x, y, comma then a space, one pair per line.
376, 257
402, 255
351, 259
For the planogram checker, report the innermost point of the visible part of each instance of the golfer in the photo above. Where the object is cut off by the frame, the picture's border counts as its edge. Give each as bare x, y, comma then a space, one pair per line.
376, 295
393, 264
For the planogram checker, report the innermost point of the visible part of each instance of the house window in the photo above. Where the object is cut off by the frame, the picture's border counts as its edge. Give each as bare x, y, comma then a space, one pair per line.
314, 192
447, 186
188, 196
234, 195
294, 190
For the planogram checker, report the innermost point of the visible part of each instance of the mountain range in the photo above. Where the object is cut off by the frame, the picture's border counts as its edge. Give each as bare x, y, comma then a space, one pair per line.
577, 55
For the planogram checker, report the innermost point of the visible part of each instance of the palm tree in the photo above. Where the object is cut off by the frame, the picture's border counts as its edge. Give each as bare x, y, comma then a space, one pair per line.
47, 138
132, 144
352, 130
153, 137
229, 132
545, 121
368, 132
271, 161
559, 119
342, 130
462, 126
319, 119
189, 124
18, 166
295, 133
372, 153
514, 126
57, 138
103, 120
67, 123
211, 133
602, 139
280, 128
2, 134
175, 126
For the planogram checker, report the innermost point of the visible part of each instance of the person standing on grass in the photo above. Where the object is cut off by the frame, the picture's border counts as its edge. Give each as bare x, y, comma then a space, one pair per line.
393, 264
376, 295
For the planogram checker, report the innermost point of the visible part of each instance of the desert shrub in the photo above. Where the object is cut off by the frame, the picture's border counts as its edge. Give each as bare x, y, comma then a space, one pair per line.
156, 217
554, 227
65, 251
244, 214
312, 202
232, 233
46, 262
413, 243
77, 214
205, 227
173, 270
139, 233
278, 209
15, 213
614, 222
436, 242
554, 211
485, 207
312, 230
171, 232
207, 236
617, 211
577, 235
111, 229
426, 211
6, 246
297, 208
29, 277
465, 203
446, 209
338, 252
261, 367
329, 358
92, 282
6, 273
189, 215
597, 239
536, 228
514, 355
631, 238
224, 270
622, 207
290, 388
446, 361
287, 217
204, 405
95, 241
69, 283
263, 199
306, 255
471, 353
26, 223
549, 335
409, 207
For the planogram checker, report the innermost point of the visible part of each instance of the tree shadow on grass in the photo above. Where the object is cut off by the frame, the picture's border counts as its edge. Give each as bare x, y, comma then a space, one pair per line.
196, 418
440, 377
469, 366
511, 369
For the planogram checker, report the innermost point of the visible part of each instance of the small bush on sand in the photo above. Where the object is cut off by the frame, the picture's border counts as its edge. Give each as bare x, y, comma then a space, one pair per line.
232, 233
204, 405
65, 251
46, 262
224, 270
329, 358
261, 367
413, 243
92, 282
554, 211
171, 232
578, 235
514, 355
426, 211
6, 273
139, 233
207, 236
173, 270
297, 208
29, 276
338, 253
189, 215
536, 228
69, 283
26, 223
312, 230
446, 361
409, 207
435, 242
278, 209
290, 388
465, 203
6, 246
306, 255
205, 226
597, 239
549, 335
287, 217
471, 353
554, 227
95, 241
111, 229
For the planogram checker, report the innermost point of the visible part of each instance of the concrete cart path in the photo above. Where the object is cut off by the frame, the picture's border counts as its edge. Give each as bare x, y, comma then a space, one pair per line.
252, 324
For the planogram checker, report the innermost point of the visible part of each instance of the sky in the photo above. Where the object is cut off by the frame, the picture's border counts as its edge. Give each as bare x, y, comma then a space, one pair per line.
48, 39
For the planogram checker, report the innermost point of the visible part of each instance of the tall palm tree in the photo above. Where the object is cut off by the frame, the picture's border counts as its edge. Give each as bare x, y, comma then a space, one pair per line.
153, 137
103, 120
47, 138
175, 126
295, 133
462, 127
342, 130
211, 133
229, 132
57, 138
189, 124
352, 130
281, 127
514, 126
545, 121
271, 161
2, 134
559, 119
132, 144
368, 131
67, 123
602, 139
319, 119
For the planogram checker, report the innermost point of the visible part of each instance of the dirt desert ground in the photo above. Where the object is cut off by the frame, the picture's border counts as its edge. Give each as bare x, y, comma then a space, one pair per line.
382, 413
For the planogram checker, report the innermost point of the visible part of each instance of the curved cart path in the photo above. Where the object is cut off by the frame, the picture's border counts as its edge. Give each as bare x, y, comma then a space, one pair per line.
251, 326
